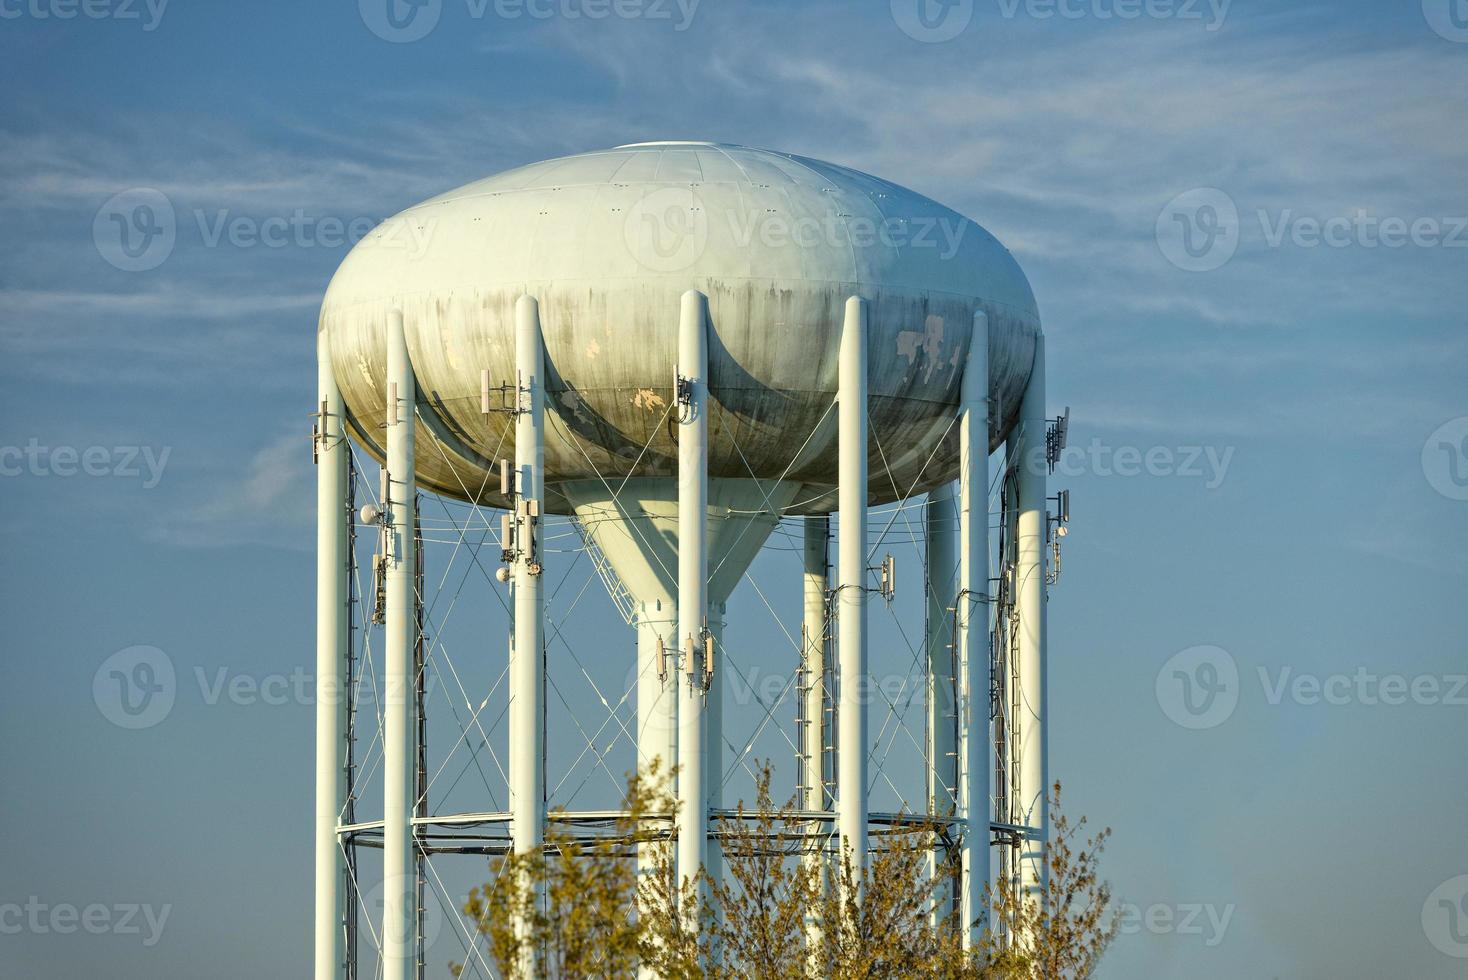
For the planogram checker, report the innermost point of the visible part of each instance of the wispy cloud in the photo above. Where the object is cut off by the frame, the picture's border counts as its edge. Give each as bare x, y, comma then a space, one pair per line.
165, 301
1070, 149
1067, 150
266, 501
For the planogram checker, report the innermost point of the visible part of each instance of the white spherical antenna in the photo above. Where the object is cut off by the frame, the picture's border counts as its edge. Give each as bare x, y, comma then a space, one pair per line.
371, 513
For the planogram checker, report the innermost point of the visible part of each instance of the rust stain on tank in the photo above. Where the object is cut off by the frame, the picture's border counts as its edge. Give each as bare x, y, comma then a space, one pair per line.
929, 340
647, 400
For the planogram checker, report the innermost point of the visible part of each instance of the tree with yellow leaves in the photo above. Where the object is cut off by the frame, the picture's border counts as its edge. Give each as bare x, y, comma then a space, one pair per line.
583, 910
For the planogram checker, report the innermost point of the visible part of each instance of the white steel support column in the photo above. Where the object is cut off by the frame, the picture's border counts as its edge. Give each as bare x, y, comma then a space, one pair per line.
713, 766
333, 623
941, 531
692, 583
815, 577
1030, 541
972, 640
814, 737
399, 874
657, 712
657, 687
657, 702
851, 596
527, 660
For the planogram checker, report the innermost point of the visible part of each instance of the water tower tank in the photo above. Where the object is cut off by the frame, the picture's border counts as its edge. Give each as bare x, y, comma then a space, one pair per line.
608, 241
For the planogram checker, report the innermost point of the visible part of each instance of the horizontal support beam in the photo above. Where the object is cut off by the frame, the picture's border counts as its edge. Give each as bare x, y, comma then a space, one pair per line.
606, 816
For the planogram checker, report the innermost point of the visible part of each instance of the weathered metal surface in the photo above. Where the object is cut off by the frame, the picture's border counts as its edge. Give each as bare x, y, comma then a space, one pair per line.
608, 242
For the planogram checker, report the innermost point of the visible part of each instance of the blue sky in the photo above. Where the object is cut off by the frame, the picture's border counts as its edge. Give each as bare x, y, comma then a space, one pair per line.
1325, 540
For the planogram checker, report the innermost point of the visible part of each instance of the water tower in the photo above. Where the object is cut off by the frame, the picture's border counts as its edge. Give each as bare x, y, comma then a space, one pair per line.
674, 348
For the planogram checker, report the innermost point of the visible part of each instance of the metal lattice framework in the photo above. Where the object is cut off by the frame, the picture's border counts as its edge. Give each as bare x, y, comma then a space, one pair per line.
461, 702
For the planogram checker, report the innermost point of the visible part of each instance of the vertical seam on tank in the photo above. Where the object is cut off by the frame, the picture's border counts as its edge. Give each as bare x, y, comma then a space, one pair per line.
628, 157
827, 181
748, 205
